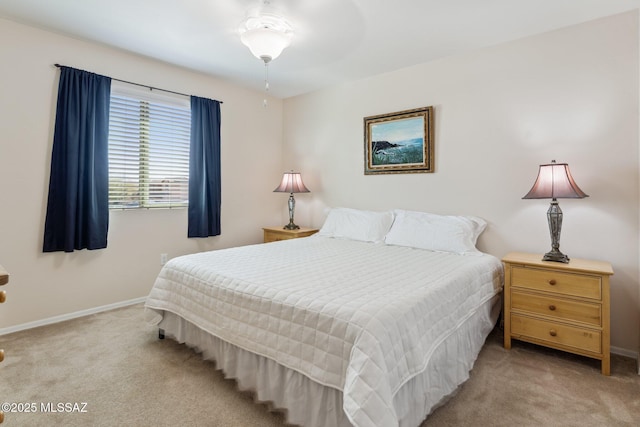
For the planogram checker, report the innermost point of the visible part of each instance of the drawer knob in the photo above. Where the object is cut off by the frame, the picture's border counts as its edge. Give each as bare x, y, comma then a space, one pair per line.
552, 332
552, 282
552, 307
3, 296
1, 355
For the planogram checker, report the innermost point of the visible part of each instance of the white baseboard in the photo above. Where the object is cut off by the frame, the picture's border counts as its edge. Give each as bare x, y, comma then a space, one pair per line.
69, 316
624, 352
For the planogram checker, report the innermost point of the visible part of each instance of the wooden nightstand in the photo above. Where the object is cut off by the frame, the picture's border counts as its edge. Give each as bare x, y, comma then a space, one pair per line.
273, 234
563, 306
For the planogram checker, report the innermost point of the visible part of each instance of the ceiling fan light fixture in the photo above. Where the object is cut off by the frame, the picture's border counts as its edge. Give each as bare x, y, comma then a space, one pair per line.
266, 35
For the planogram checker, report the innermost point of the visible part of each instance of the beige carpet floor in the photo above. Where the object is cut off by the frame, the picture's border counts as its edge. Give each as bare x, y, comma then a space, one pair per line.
114, 363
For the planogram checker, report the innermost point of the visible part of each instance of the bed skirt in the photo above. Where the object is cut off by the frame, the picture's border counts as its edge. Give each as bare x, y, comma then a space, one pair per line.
310, 404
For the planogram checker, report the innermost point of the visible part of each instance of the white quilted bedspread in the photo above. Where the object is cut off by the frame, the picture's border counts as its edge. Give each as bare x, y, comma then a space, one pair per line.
363, 318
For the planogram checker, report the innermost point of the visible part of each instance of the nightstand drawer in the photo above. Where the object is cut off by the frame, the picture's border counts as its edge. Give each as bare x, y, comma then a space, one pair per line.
557, 308
274, 234
554, 333
276, 237
579, 285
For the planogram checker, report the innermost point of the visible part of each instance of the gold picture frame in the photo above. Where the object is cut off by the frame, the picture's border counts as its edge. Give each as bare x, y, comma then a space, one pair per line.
400, 142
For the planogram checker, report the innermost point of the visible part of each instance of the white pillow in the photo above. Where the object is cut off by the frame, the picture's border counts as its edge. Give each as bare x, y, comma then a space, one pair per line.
355, 224
457, 234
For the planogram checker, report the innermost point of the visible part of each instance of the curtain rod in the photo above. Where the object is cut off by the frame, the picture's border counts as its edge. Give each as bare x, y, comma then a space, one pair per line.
138, 84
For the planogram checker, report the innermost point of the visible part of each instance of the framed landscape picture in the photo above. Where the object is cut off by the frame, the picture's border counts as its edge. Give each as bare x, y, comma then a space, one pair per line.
400, 142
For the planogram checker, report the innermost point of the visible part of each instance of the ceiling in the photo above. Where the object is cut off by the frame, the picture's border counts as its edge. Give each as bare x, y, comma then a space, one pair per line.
335, 41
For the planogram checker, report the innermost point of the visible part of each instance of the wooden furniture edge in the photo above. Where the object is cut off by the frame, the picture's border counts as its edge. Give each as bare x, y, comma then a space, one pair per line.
298, 230
575, 264
4, 276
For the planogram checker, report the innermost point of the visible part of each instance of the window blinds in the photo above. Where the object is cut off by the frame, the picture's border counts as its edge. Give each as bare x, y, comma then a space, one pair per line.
149, 135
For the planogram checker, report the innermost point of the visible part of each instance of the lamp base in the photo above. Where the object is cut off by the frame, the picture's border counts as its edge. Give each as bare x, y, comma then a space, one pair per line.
292, 206
555, 256
554, 217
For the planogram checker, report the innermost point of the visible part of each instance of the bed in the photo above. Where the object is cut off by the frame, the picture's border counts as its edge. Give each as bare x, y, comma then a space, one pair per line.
374, 321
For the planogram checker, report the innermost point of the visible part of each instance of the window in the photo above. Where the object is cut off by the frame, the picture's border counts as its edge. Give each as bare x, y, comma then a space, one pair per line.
149, 135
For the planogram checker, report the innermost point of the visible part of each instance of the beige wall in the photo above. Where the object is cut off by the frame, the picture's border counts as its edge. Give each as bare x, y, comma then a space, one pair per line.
53, 284
569, 95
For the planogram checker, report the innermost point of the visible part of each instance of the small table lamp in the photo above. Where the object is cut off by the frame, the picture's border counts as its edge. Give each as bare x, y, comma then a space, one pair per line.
291, 183
554, 181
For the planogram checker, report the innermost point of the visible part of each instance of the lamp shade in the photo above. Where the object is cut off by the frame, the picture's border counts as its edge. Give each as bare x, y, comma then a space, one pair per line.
554, 181
291, 183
